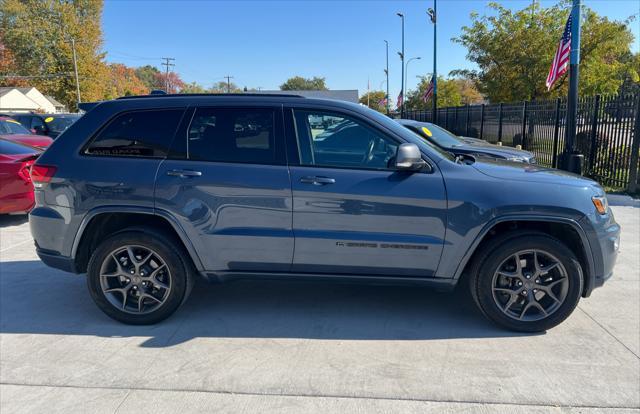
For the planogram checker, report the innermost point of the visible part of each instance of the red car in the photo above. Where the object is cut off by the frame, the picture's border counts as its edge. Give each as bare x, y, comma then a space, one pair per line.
13, 131
16, 188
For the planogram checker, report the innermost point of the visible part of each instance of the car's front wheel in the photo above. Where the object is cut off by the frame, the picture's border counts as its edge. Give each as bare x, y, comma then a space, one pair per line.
137, 278
527, 282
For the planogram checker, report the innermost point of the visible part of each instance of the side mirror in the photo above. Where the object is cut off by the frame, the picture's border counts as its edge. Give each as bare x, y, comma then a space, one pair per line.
409, 158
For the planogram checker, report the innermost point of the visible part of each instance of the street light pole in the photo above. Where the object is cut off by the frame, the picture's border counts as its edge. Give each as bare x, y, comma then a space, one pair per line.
402, 67
572, 160
386, 72
406, 73
434, 99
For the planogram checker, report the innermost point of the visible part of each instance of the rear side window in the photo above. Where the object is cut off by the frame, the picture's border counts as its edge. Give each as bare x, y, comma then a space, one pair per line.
237, 135
137, 134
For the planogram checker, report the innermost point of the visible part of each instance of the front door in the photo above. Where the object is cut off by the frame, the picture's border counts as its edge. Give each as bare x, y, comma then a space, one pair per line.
352, 212
228, 185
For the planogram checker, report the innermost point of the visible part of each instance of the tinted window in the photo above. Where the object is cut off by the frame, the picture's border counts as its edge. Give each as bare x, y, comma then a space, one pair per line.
11, 127
239, 135
137, 134
333, 140
36, 122
60, 124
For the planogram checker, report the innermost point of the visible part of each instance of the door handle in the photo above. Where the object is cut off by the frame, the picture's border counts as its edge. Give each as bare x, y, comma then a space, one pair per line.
317, 180
184, 173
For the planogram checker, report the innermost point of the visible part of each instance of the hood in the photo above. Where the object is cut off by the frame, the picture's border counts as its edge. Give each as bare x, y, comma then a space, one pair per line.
496, 150
39, 141
517, 171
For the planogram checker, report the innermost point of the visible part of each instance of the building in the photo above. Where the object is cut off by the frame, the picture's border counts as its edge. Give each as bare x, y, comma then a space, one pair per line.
28, 99
349, 95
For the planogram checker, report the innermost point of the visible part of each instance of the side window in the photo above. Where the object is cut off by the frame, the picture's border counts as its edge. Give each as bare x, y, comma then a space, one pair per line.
335, 140
238, 135
36, 122
137, 134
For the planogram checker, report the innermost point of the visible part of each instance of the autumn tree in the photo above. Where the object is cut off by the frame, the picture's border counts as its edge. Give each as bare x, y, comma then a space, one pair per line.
514, 49
148, 75
224, 87
451, 92
168, 82
123, 81
298, 83
375, 100
39, 34
193, 87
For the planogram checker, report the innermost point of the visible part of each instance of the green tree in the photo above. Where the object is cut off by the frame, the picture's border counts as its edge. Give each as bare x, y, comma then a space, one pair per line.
298, 83
224, 87
148, 75
193, 87
451, 92
39, 32
514, 49
375, 100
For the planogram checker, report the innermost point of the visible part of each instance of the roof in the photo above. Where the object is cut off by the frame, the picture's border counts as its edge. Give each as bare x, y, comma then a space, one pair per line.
53, 101
348, 95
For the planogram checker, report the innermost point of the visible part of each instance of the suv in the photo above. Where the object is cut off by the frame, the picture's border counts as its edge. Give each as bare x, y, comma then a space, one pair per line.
143, 194
51, 125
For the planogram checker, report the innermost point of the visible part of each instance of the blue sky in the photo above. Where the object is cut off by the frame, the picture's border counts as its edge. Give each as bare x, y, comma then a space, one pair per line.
262, 43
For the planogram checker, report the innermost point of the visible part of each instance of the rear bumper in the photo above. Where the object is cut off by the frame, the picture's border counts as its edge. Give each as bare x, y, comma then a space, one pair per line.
57, 261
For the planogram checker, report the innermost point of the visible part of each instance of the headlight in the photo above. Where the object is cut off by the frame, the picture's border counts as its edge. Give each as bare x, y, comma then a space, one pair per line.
600, 202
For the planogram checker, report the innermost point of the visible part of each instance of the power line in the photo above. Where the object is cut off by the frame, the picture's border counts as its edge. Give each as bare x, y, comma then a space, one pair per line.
167, 63
228, 83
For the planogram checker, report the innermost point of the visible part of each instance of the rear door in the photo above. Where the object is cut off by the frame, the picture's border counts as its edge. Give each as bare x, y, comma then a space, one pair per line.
227, 183
352, 212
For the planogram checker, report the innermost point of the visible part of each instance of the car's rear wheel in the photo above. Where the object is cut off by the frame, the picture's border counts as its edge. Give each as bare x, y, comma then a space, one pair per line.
526, 282
137, 278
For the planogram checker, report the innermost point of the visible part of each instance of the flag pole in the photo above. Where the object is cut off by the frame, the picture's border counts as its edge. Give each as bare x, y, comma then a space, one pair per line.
435, 72
572, 159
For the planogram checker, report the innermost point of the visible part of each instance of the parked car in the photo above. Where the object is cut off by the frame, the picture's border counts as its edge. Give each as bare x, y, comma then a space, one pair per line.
16, 188
143, 194
51, 125
465, 145
12, 130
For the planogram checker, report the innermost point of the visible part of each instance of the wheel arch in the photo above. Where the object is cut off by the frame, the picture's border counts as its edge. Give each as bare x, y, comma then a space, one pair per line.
566, 230
104, 221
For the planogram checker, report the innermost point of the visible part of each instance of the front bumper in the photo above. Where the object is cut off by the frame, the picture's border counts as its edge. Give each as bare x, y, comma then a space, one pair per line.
603, 235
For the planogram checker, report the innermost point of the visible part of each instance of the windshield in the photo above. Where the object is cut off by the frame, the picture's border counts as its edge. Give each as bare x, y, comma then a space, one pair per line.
59, 124
440, 136
11, 127
410, 136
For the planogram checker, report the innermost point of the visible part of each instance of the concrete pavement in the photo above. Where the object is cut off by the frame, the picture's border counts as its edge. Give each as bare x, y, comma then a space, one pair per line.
310, 347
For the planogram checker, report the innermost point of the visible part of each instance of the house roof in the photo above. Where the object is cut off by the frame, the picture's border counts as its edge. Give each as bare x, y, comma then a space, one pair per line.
53, 101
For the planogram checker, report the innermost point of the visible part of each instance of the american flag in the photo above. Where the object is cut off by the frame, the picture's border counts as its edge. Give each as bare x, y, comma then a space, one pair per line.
382, 101
399, 104
560, 62
428, 92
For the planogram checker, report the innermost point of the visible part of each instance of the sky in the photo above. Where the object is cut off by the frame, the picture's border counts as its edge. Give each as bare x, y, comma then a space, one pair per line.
263, 43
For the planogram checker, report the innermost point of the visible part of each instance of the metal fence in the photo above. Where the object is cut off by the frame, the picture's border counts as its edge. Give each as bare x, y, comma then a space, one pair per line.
607, 132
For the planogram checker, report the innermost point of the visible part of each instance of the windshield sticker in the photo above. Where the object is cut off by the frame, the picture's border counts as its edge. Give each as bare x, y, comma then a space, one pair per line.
49, 119
426, 131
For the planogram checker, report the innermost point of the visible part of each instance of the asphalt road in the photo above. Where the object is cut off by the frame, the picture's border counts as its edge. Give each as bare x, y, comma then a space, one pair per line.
310, 347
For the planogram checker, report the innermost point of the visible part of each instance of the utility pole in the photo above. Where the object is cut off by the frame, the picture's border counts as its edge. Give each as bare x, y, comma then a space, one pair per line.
402, 68
228, 83
167, 64
386, 72
572, 159
75, 67
434, 98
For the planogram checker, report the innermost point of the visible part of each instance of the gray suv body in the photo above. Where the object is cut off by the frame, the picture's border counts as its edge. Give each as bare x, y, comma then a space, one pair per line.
145, 193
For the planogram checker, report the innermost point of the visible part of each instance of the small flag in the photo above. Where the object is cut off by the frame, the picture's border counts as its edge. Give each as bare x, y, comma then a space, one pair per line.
400, 100
383, 102
428, 92
560, 62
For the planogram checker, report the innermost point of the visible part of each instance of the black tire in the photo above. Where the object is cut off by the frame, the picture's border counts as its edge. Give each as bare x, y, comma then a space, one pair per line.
494, 254
179, 272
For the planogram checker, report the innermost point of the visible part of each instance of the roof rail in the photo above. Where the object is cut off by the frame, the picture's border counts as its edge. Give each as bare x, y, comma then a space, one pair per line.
185, 95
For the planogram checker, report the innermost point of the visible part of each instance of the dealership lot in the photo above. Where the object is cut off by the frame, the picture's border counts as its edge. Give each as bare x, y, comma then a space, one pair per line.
311, 347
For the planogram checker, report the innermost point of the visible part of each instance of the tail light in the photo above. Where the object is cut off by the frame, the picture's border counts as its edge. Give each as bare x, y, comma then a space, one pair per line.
42, 174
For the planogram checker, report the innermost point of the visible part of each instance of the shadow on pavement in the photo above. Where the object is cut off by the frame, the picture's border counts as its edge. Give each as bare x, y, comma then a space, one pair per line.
7, 220
37, 300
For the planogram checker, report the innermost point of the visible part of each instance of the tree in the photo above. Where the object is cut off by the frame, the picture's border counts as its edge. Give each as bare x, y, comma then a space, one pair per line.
451, 92
375, 99
298, 83
123, 81
169, 82
193, 87
514, 50
147, 74
8, 67
224, 87
38, 34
